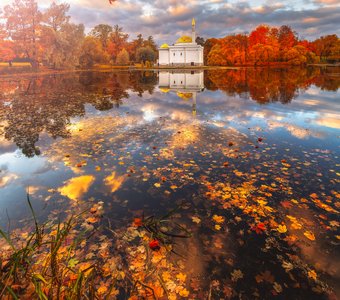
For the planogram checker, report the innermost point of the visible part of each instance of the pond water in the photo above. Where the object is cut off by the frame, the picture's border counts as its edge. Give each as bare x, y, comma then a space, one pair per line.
246, 161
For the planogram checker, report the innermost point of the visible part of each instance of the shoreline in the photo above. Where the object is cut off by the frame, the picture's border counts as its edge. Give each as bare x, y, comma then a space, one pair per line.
44, 72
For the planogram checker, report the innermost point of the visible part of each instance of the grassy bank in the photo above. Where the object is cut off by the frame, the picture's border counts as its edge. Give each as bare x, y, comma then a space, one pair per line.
85, 257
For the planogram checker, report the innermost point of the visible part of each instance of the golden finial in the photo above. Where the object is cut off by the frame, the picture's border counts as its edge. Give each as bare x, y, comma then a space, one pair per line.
193, 22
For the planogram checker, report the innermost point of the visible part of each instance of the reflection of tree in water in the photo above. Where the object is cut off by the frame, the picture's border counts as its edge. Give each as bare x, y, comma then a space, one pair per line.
47, 104
269, 85
143, 81
329, 81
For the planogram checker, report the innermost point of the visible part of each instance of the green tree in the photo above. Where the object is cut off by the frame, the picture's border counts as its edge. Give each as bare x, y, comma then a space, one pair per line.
151, 44
134, 45
123, 57
145, 54
200, 41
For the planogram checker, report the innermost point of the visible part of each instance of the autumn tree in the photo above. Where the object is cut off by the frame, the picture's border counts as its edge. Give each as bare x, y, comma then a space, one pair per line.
123, 57
3, 33
6, 51
118, 41
92, 52
259, 36
208, 45
61, 39
216, 57
327, 46
22, 23
102, 32
232, 50
287, 39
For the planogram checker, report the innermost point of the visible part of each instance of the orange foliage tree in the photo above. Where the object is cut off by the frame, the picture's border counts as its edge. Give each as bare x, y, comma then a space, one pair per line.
7, 53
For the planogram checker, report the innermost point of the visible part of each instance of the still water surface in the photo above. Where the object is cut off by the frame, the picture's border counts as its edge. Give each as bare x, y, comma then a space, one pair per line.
248, 158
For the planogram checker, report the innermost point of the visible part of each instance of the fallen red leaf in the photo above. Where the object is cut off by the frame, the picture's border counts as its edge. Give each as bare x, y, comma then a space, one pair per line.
154, 245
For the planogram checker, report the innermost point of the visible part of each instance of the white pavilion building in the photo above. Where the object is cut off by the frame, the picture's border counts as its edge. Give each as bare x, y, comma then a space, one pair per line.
185, 52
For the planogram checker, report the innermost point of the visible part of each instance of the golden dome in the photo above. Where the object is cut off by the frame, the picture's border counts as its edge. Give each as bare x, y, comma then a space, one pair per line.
165, 46
184, 39
184, 96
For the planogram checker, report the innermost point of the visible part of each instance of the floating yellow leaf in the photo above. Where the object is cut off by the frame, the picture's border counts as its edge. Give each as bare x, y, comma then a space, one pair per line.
282, 228
312, 274
236, 275
157, 185
196, 220
218, 219
217, 227
309, 235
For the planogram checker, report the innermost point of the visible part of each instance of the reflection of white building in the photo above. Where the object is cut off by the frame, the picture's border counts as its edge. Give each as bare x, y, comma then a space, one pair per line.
191, 81
185, 84
184, 52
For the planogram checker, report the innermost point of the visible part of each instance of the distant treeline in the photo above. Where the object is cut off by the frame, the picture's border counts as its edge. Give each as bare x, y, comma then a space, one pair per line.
49, 38
270, 45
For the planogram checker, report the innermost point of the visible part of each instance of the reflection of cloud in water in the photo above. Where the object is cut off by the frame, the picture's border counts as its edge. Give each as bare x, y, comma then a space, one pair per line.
149, 113
7, 179
76, 187
329, 120
297, 131
6, 145
114, 182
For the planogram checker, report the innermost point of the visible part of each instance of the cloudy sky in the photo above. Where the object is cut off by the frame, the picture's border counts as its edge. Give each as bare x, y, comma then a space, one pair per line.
166, 20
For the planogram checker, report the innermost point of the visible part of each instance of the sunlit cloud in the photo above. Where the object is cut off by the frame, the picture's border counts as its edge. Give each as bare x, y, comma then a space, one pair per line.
166, 20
